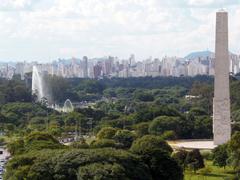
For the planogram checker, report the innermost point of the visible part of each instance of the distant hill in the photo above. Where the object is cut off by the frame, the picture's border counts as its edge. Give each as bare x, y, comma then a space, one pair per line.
197, 54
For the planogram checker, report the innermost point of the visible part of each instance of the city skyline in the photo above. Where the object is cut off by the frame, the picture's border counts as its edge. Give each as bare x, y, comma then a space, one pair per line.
196, 63
43, 30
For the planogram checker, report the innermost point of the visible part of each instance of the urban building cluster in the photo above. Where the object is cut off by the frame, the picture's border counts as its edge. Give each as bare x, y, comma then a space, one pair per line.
201, 63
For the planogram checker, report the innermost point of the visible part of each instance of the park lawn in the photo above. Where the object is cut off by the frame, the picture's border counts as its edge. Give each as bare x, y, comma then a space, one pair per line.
216, 173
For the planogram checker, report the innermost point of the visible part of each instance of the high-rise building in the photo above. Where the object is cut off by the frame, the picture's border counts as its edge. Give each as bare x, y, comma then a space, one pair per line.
85, 67
97, 70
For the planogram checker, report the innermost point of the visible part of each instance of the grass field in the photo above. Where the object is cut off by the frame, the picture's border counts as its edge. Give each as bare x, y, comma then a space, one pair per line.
216, 173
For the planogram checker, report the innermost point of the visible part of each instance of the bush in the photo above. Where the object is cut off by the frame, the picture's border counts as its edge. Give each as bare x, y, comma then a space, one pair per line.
195, 160
141, 129
180, 156
34, 141
125, 138
220, 155
80, 145
106, 133
169, 135
207, 155
40, 136
103, 143
16, 147
2, 141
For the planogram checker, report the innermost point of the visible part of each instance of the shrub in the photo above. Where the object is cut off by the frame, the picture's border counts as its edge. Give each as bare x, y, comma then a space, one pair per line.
2, 141
220, 155
141, 129
40, 136
125, 138
106, 133
180, 156
103, 143
208, 155
195, 160
80, 145
169, 135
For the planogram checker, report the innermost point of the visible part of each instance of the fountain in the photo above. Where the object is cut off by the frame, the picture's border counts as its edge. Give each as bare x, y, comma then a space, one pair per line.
37, 84
40, 88
68, 107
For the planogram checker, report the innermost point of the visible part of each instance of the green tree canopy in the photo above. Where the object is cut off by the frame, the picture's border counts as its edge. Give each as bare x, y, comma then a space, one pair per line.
148, 143
106, 133
195, 160
125, 138
220, 155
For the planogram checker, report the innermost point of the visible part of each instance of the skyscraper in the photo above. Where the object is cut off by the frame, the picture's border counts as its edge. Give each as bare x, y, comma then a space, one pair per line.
85, 67
221, 101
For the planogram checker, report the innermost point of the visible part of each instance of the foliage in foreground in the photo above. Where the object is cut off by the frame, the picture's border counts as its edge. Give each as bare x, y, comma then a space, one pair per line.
92, 164
148, 159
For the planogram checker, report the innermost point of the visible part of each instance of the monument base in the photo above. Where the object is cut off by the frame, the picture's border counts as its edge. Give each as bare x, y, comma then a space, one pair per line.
193, 144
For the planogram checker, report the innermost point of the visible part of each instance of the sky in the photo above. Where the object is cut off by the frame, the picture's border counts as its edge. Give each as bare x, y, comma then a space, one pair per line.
44, 30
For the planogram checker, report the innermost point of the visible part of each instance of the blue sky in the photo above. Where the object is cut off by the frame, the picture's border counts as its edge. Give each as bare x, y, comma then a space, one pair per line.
44, 30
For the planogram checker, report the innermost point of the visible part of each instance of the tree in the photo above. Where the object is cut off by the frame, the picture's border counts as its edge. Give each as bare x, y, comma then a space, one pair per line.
149, 142
195, 160
109, 93
141, 129
93, 86
161, 165
16, 147
155, 153
234, 150
143, 96
169, 135
34, 141
106, 133
164, 123
220, 155
2, 141
202, 127
125, 138
103, 171
77, 163
181, 156
103, 143
80, 144
73, 118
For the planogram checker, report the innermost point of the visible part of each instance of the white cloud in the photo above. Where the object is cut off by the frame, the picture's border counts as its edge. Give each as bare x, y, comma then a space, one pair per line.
7, 5
92, 27
212, 3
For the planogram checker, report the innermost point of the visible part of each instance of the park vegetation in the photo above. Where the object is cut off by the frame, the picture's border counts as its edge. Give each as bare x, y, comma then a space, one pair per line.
121, 134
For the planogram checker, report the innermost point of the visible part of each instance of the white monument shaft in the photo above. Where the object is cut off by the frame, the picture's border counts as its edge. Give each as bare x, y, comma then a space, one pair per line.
221, 101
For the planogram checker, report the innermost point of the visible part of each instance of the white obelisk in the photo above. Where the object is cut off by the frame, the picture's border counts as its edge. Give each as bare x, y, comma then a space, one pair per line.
221, 101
